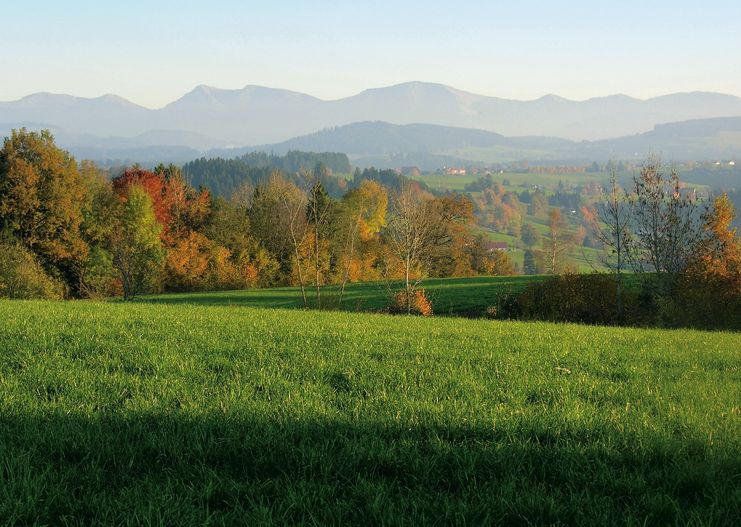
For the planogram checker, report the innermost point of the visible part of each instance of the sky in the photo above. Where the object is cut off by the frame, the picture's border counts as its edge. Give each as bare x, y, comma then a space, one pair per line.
152, 52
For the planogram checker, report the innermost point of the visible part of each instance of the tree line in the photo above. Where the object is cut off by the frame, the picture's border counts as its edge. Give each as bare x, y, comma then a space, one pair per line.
223, 177
71, 230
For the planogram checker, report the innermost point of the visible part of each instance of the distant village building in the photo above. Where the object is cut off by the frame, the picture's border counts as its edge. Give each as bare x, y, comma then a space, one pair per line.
491, 246
455, 171
732, 164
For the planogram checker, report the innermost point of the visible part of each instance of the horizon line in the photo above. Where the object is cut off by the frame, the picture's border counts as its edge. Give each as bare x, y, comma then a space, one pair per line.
329, 100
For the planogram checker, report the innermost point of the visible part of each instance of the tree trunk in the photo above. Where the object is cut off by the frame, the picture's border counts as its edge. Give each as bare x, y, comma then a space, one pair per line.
406, 284
349, 262
300, 274
316, 266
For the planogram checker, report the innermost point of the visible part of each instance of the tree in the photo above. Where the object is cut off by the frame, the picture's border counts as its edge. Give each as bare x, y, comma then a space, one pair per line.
448, 253
612, 227
709, 290
151, 183
500, 264
720, 245
665, 230
538, 204
319, 210
137, 248
529, 235
557, 243
97, 277
278, 221
363, 214
410, 233
22, 276
41, 196
529, 266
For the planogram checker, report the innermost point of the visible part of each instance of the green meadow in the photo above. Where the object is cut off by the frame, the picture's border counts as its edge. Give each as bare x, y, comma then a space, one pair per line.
468, 296
186, 414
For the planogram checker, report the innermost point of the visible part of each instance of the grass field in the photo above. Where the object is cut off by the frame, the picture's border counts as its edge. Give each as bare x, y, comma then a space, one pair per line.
145, 414
468, 296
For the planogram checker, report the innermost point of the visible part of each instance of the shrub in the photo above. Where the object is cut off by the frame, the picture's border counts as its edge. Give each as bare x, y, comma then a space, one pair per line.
586, 299
22, 276
506, 308
99, 279
706, 301
418, 301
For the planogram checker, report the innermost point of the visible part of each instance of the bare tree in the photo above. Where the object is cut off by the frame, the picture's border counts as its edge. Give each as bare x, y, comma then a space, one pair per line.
297, 230
666, 223
318, 214
409, 233
277, 216
557, 243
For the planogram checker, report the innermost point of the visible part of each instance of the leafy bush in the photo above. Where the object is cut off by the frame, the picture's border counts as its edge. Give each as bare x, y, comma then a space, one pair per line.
417, 303
506, 308
99, 277
22, 276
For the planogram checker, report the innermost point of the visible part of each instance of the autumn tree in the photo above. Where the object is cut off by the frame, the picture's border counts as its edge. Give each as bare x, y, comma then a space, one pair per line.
188, 209
362, 215
229, 226
451, 237
151, 183
709, 289
487, 261
137, 249
41, 196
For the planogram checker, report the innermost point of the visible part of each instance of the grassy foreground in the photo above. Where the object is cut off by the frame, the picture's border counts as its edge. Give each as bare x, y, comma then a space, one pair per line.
179, 415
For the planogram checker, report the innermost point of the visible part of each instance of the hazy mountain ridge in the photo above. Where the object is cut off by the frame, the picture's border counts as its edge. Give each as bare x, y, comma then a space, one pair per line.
258, 115
430, 146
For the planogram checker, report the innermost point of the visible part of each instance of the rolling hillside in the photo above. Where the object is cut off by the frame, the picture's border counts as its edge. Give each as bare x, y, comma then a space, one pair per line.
431, 146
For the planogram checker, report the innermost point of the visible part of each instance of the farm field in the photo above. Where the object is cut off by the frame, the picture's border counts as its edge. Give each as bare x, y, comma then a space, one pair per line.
468, 296
178, 414
517, 181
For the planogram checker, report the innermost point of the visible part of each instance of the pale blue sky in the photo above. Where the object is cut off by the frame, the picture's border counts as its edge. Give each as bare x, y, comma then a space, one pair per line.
153, 52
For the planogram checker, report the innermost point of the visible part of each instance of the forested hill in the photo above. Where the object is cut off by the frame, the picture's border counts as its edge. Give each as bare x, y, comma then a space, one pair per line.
224, 176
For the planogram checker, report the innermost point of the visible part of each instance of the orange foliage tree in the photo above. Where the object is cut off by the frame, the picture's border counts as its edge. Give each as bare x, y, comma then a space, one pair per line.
709, 289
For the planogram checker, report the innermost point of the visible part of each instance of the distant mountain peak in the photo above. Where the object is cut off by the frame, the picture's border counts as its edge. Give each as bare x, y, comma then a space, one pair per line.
551, 97
254, 114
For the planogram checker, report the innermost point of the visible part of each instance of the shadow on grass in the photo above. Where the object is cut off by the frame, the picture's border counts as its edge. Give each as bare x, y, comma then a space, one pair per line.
179, 470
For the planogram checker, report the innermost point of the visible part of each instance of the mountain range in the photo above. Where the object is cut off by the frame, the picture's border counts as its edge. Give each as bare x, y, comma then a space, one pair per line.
408, 117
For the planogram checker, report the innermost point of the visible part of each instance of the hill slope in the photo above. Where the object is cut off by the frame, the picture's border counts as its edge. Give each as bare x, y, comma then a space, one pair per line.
112, 413
431, 146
